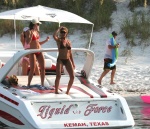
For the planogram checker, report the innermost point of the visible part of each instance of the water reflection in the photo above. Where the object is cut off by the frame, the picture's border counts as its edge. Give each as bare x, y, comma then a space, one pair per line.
141, 116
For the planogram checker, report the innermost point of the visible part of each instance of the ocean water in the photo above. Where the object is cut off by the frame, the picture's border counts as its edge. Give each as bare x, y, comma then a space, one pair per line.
141, 114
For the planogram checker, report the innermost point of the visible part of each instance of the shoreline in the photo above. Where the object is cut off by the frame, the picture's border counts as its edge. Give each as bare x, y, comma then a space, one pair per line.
134, 99
128, 94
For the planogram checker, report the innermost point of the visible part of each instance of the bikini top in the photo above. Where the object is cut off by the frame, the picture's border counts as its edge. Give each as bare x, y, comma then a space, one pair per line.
63, 47
35, 37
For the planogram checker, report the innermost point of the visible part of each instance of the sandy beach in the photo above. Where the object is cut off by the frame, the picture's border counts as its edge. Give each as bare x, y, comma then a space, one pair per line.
133, 70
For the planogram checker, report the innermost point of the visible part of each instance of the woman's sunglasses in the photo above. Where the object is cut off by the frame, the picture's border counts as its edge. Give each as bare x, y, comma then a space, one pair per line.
62, 32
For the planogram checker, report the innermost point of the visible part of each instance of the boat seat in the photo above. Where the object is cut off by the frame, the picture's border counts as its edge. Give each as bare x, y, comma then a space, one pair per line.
48, 63
34, 94
63, 80
50, 67
49, 80
23, 80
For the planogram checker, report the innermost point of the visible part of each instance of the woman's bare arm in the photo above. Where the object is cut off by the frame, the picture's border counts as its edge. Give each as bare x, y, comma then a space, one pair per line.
71, 56
47, 39
55, 35
29, 35
22, 38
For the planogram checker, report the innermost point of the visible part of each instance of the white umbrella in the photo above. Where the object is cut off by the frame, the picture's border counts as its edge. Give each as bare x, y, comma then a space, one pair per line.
43, 14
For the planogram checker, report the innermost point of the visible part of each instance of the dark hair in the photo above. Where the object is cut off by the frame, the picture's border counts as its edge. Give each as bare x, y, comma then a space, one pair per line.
24, 34
114, 33
31, 26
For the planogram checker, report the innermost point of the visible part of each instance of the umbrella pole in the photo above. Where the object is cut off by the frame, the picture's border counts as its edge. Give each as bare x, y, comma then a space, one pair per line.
15, 30
91, 37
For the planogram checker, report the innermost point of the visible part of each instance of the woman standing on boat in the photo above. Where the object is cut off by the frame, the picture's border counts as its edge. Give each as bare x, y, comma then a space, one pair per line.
64, 57
33, 39
25, 60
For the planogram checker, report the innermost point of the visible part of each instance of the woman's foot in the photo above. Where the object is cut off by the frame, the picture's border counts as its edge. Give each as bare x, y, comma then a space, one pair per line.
67, 93
112, 83
56, 92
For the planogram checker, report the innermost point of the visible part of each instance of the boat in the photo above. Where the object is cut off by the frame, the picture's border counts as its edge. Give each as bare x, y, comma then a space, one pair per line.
88, 104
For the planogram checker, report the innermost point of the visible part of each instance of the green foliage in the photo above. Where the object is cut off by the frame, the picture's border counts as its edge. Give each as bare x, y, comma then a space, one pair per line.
136, 27
48, 27
100, 13
138, 3
93, 10
7, 26
126, 52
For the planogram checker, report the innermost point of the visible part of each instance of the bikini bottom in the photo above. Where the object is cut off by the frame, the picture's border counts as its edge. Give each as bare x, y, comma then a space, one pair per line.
38, 53
24, 59
64, 61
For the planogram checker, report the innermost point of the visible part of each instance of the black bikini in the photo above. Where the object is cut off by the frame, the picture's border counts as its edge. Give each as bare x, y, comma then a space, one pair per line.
63, 47
64, 61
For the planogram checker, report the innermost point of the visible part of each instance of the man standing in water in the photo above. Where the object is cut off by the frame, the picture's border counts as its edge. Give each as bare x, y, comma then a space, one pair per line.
109, 62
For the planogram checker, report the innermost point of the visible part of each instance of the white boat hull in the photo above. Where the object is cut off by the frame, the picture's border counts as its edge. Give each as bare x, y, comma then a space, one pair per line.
87, 106
78, 113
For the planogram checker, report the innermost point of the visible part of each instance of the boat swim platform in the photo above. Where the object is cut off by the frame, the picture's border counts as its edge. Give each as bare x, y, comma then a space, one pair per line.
81, 89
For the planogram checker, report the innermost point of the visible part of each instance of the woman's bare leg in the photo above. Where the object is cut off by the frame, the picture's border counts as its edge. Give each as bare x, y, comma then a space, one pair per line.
37, 70
32, 58
70, 70
24, 67
41, 61
58, 75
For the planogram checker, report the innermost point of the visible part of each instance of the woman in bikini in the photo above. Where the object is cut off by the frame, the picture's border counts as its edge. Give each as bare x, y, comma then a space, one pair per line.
25, 60
64, 58
32, 38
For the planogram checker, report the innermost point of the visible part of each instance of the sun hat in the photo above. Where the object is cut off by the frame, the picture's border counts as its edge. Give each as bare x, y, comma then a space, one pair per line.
35, 21
25, 29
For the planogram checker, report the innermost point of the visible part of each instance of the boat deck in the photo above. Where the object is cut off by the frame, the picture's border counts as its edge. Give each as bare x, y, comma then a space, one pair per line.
81, 88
